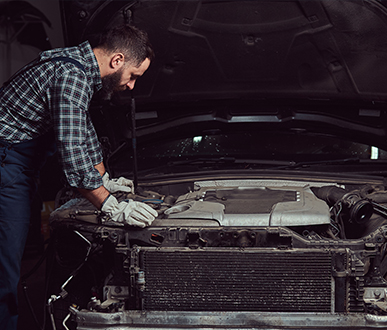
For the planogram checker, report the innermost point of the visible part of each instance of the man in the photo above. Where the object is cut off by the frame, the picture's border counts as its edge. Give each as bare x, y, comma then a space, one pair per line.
44, 105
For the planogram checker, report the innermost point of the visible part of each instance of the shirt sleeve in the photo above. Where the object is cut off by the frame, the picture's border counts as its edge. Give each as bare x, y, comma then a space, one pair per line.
77, 142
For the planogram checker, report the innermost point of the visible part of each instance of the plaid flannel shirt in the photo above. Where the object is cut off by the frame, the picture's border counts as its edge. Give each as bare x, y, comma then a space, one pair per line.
57, 95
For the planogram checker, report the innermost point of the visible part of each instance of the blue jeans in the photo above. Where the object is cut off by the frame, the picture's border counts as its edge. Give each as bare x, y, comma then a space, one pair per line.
19, 168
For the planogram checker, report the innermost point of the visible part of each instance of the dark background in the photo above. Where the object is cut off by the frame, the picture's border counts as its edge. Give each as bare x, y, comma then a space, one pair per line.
17, 49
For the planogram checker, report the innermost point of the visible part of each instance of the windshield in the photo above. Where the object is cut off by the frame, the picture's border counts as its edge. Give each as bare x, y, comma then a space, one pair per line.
259, 145
248, 149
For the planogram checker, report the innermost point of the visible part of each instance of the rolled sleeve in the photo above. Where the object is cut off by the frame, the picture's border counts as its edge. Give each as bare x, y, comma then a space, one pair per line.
77, 142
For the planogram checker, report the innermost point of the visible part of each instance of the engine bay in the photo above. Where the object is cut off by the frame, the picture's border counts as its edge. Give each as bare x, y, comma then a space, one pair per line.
226, 246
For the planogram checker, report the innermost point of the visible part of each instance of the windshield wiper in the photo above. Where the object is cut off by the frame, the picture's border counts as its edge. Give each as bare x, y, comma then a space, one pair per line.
205, 163
343, 161
230, 160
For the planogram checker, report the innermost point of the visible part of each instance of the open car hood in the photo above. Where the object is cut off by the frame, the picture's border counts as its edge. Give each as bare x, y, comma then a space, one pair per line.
243, 49
316, 65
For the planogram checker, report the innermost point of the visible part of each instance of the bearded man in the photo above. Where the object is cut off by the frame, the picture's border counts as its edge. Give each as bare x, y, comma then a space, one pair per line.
44, 108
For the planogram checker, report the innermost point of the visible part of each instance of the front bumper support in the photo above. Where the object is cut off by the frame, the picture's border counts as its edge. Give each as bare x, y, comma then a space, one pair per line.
140, 320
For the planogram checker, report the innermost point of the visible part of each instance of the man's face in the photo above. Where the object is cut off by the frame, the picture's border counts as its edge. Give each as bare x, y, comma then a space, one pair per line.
125, 77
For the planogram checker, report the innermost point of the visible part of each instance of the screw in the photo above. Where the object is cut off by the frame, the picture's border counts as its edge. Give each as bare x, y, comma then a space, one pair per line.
377, 293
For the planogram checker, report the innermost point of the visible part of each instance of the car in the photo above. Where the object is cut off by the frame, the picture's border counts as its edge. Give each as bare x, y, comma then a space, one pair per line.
258, 134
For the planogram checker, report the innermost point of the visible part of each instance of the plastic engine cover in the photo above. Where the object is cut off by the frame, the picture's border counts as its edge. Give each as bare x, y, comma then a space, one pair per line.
252, 205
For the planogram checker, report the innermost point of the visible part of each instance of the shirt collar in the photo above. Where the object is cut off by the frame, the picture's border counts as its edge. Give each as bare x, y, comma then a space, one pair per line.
91, 65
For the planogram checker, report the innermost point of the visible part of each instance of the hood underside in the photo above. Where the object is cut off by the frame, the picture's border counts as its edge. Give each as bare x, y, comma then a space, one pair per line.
249, 49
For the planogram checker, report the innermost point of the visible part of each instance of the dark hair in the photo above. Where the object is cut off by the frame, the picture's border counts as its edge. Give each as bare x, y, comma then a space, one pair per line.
126, 39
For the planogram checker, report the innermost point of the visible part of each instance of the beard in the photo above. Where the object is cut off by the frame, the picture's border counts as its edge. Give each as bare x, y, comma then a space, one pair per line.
111, 84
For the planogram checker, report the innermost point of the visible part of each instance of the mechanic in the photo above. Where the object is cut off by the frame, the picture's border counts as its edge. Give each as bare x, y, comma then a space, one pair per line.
44, 108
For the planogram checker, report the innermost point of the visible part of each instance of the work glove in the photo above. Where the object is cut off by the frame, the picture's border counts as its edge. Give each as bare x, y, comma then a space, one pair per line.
114, 185
128, 211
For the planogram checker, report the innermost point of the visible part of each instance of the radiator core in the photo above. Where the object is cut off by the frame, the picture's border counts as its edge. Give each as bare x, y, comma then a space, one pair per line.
237, 280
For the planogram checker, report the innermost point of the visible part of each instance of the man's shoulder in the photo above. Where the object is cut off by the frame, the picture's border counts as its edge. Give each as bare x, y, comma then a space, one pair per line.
77, 60
75, 54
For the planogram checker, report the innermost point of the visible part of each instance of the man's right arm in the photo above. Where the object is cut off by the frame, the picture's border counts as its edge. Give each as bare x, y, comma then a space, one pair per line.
95, 196
129, 211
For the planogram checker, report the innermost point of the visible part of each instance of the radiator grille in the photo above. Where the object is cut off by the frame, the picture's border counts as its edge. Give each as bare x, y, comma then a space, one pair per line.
237, 280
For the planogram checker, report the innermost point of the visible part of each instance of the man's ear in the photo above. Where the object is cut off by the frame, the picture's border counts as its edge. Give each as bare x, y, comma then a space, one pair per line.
117, 60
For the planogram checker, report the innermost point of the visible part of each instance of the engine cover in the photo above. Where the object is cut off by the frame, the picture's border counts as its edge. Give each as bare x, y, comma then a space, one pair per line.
251, 203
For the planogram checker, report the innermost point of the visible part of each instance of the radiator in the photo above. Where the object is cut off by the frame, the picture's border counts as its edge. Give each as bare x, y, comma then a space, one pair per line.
237, 280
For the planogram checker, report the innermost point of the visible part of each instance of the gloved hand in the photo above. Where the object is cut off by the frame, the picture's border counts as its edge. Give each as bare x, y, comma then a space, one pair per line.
114, 185
133, 213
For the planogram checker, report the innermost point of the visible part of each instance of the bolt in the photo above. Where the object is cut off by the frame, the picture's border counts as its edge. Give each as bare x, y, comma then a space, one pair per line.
377, 293
82, 14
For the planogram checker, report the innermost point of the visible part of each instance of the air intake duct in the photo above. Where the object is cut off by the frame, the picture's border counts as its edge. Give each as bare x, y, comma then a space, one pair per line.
358, 209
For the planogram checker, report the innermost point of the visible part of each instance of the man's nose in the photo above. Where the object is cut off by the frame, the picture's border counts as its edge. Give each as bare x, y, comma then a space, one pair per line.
130, 84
